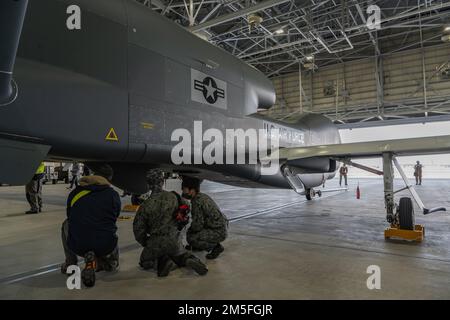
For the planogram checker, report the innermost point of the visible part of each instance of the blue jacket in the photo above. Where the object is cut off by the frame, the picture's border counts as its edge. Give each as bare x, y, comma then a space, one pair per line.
92, 212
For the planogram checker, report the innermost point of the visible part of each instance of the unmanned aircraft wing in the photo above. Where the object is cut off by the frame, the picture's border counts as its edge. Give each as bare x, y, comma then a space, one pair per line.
399, 147
324, 157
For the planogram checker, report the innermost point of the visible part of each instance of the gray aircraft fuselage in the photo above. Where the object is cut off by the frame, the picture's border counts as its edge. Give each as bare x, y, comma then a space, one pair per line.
132, 70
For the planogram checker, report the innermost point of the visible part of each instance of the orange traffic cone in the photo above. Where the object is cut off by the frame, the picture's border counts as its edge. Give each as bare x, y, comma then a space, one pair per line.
358, 192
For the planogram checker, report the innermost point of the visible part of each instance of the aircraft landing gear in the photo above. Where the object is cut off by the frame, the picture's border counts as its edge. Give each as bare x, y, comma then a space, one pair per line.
310, 193
403, 226
388, 172
401, 216
405, 214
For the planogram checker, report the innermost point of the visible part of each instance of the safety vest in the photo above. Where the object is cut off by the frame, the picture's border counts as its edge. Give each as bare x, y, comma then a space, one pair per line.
78, 196
41, 168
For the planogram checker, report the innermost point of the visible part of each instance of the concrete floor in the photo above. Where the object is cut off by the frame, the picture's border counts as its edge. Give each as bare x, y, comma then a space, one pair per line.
294, 250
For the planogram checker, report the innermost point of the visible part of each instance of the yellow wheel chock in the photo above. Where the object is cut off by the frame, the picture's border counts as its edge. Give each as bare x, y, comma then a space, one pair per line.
394, 231
130, 208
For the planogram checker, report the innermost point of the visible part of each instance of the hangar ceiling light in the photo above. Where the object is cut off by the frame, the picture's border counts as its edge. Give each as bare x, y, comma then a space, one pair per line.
203, 35
254, 20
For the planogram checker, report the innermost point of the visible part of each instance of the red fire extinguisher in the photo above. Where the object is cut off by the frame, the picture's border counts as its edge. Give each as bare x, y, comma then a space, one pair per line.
358, 192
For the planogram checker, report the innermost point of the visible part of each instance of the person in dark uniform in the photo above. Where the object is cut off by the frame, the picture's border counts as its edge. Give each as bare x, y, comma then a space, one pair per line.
418, 173
343, 171
90, 228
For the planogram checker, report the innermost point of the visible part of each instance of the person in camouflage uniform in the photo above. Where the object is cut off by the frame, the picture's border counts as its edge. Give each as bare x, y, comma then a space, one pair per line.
209, 225
156, 228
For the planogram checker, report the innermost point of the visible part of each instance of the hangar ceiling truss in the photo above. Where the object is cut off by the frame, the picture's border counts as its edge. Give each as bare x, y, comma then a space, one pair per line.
281, 37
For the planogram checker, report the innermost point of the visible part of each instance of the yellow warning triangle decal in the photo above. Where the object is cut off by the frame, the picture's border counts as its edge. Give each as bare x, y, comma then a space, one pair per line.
111, 136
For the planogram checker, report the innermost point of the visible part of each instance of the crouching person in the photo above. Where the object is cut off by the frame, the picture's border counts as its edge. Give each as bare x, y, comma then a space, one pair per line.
209, 225
90, 229
157, 227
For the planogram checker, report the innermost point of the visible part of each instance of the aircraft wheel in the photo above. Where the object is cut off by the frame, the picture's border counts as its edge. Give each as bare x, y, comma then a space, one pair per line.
406, 214
54, 181
319, 193
309, 194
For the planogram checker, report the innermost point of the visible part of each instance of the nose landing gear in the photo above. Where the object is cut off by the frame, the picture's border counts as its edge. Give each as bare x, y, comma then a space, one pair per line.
310, 193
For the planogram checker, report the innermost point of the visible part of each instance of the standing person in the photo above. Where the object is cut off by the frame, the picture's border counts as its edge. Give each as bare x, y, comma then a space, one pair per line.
343, 171
75, 171
418, 173
209, 225
90, 228
33, 190
157, 227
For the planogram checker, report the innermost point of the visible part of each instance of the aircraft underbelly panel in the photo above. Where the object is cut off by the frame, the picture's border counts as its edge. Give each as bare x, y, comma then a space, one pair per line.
146, 125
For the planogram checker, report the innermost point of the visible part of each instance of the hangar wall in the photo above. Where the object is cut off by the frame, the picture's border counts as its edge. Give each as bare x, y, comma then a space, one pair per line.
347, 87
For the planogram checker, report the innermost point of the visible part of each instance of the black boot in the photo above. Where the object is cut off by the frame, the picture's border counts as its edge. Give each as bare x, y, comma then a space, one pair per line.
215, 252
88, 274
195, 264
165, 265
146, 265
109, 263
66, 264
32, 211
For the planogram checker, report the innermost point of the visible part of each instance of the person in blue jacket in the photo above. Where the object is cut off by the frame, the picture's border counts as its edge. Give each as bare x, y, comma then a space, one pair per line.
90, 228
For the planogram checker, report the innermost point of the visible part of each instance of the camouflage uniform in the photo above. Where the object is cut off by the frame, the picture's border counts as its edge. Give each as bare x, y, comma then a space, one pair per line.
155, 228
33, 190
209, 225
